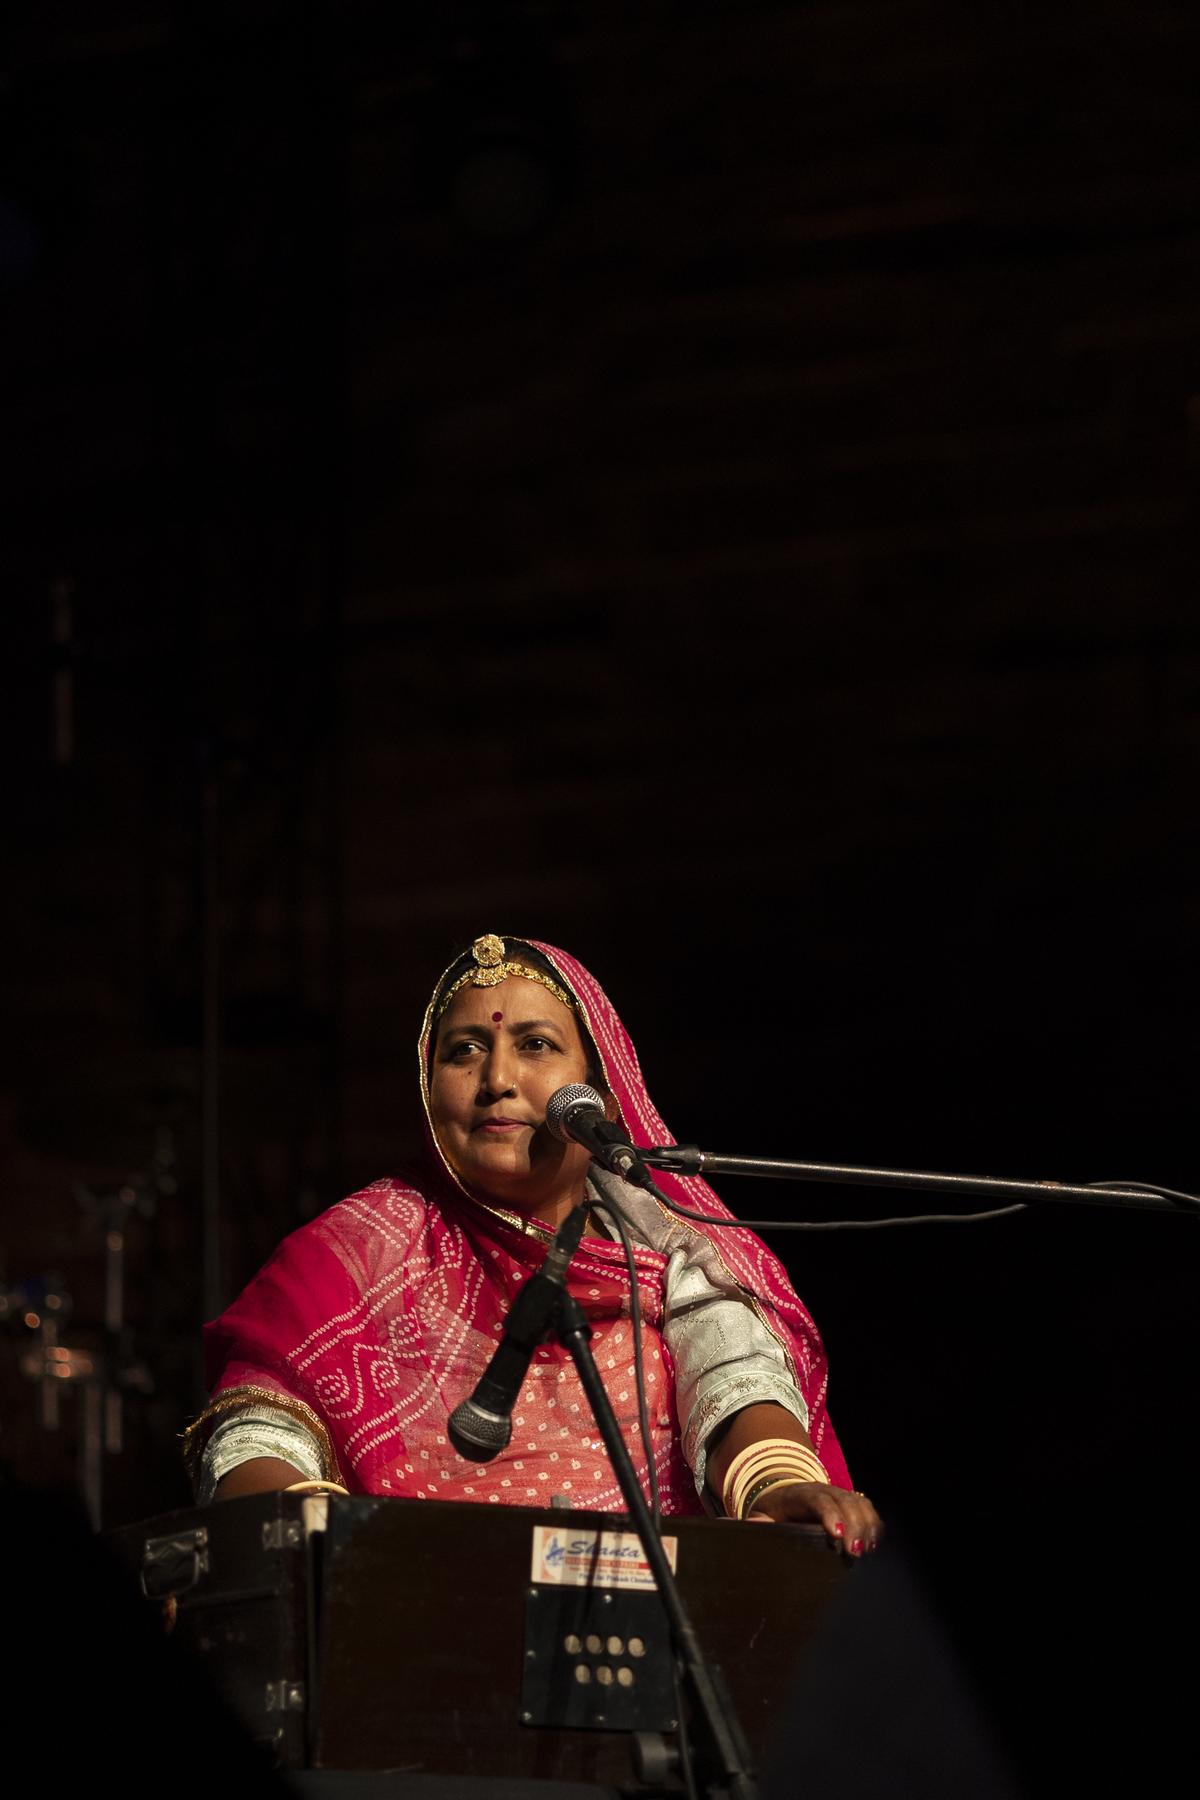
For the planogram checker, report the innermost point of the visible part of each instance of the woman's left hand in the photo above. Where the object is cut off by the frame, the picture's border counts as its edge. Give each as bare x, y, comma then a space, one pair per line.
849, 1519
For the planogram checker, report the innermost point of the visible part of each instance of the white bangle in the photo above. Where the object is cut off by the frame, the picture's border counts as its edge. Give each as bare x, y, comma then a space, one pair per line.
778, 1459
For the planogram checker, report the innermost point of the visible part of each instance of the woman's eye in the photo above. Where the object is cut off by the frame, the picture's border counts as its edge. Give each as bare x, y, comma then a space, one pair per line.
460, 1051
538, 1043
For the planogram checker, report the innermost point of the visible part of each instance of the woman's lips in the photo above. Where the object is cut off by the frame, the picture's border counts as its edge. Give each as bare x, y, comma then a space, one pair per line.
503, 1125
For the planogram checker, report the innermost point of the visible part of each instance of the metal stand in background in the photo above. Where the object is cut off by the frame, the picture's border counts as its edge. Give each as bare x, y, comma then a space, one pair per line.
212, 1260
122, 1371
103, 1375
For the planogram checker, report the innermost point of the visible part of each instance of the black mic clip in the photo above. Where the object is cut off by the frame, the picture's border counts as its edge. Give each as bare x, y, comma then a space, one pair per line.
675, 1159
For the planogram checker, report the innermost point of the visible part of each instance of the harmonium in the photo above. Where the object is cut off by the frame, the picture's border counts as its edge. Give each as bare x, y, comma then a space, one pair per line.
474, 1641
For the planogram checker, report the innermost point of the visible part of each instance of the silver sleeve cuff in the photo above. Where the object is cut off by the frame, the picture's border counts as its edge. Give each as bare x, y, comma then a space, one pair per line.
259, 1431
725, 1359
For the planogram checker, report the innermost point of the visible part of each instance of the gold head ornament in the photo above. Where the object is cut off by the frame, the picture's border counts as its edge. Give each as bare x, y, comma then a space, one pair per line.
491, 966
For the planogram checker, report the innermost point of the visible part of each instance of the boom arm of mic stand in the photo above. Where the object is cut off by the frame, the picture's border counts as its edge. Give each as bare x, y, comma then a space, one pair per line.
686, 1159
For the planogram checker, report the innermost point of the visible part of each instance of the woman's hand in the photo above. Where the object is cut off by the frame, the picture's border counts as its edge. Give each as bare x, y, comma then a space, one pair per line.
849, 1520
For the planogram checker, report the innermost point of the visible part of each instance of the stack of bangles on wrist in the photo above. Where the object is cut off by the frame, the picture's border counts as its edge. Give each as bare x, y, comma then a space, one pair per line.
772, 1463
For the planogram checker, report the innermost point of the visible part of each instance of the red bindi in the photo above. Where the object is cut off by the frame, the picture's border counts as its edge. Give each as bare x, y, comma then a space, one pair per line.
496, 1018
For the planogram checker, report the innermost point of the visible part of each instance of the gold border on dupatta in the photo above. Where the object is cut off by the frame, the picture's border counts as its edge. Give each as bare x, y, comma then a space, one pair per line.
527, 1227
237, 1399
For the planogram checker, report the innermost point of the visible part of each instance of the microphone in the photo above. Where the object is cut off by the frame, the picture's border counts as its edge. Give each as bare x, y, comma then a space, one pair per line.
575, 1114
481, 1427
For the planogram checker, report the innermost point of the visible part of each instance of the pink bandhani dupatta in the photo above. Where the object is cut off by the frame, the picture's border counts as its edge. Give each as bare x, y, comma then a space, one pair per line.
374, 1321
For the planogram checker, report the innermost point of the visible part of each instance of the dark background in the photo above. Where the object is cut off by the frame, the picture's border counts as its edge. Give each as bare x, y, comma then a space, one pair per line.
705, 485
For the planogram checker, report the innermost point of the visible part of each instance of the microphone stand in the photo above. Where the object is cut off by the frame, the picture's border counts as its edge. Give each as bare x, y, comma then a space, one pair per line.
546, 1305
686, 1159
727, 1755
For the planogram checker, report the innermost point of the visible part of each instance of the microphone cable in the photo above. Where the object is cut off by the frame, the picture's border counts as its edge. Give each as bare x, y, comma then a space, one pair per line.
1189, 1202
639, 1375
974, 1218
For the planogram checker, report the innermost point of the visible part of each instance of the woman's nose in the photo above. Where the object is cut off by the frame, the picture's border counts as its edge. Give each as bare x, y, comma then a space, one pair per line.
499, 1071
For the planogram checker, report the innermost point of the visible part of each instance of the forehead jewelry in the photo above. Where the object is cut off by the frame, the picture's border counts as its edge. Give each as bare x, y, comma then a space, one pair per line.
491, 965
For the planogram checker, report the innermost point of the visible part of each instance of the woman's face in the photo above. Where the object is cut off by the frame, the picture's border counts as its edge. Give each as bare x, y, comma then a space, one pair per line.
499, 1054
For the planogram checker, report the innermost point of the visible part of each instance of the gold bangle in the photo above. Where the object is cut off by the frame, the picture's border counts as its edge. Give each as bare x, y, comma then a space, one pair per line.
316, 1487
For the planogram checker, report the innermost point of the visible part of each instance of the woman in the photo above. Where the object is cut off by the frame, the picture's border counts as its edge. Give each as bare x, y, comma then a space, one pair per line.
343, 1359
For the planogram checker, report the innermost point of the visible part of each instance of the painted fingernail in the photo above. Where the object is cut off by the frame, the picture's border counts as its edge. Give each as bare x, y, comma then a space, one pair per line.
856, 1548
839, 1528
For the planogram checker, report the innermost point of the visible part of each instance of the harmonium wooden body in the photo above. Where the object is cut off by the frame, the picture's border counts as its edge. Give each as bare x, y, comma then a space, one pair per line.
475, 1641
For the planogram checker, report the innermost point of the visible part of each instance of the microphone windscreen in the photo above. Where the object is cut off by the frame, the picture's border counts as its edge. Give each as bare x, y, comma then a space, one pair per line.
477, 1434
566, 1100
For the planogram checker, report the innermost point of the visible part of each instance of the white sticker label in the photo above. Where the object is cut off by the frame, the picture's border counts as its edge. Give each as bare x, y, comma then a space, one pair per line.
602, 1559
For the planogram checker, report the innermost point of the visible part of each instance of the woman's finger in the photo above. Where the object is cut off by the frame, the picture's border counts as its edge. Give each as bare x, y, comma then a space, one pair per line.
848, 1519
805, 1501
864, 1528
